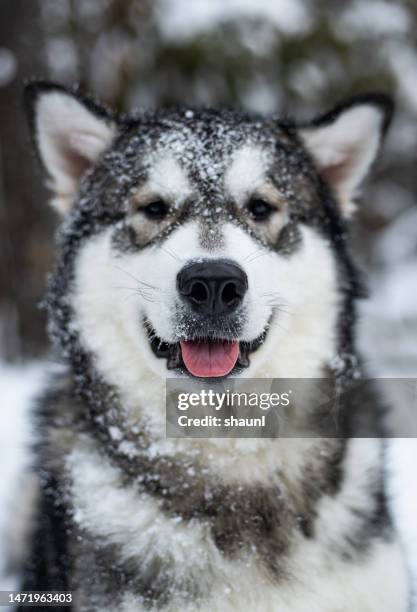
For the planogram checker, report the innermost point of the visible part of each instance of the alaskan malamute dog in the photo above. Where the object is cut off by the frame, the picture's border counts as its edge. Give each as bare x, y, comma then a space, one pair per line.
206, 244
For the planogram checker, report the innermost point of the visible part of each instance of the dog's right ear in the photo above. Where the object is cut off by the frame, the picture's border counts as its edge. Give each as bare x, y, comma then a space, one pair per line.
69, 132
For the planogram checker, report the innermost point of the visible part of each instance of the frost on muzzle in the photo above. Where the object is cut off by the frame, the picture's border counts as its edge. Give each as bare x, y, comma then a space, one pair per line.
212, 293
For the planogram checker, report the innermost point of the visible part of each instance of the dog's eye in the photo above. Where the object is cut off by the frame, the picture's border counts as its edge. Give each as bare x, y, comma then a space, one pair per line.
259, 209
158, 209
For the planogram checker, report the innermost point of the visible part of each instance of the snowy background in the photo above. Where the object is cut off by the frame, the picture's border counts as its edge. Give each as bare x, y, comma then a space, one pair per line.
264, 55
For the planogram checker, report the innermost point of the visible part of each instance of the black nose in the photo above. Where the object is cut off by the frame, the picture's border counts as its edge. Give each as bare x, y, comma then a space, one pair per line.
213, 287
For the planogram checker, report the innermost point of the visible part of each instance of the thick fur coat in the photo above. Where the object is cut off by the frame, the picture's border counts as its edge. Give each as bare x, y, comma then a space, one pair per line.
128, 519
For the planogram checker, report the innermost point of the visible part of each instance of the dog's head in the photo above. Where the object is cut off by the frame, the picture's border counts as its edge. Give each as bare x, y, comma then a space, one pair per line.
203, 243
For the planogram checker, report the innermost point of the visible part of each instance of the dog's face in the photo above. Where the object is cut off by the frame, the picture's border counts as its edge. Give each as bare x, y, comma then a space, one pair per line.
202, 243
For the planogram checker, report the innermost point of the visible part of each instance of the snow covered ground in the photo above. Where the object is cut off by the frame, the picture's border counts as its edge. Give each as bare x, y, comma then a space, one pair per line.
18, 387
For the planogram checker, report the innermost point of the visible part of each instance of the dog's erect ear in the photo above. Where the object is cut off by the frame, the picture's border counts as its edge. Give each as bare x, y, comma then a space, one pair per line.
70, 133
345, 142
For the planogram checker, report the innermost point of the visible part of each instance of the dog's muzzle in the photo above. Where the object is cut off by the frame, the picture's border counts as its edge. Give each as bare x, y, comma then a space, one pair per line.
213, 290
209, 322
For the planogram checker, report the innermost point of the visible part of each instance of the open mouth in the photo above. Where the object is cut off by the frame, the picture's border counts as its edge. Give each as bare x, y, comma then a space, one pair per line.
204, 358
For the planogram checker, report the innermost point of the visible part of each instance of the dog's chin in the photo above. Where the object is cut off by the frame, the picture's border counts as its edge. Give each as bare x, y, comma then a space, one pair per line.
210, 357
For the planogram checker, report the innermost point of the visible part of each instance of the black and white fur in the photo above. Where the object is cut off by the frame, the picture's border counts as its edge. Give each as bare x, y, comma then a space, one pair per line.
133, 521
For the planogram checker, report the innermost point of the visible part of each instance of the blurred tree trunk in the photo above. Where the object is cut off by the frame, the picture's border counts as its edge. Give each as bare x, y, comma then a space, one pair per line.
25, 252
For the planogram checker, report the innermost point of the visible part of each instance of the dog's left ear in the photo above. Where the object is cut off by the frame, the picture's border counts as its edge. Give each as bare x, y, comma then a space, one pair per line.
345, 142
70, 133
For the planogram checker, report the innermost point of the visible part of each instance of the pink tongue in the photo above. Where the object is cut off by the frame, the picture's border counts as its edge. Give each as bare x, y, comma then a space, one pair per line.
209, 359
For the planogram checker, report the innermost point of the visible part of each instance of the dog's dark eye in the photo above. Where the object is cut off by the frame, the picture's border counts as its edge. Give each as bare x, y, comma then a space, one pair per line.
259, 209
157, 209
